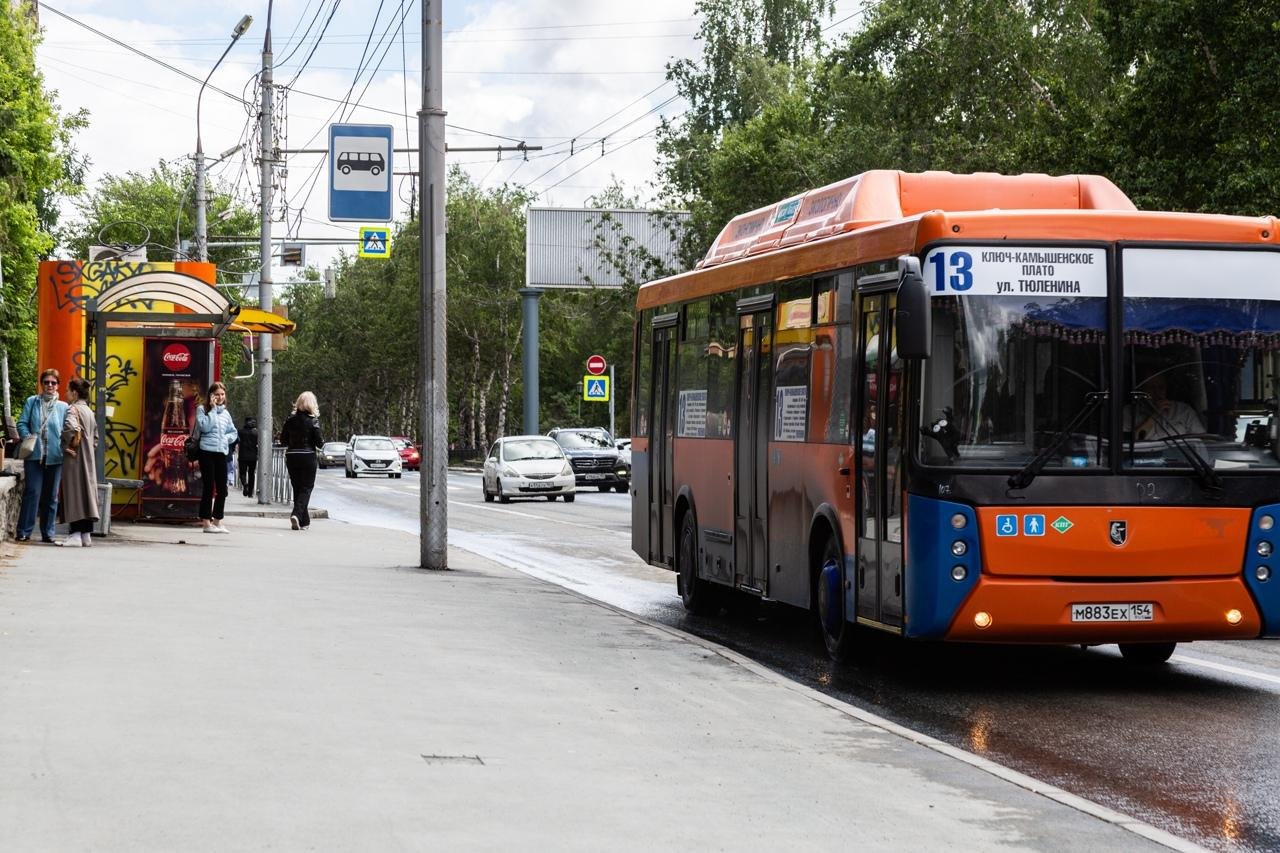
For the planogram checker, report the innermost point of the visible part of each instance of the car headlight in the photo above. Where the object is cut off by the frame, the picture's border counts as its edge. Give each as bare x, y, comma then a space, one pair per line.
508, 471
567, 470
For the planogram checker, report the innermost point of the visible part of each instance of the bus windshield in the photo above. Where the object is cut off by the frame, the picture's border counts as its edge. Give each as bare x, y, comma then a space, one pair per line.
1021, 348
1008, 373
1201, 357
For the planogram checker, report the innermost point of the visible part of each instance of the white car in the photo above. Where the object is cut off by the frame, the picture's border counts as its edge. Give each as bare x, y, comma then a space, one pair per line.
373, 454
527, 466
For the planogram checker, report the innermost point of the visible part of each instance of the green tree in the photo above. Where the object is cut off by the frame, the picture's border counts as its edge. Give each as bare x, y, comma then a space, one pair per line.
1193, 122
37, 164
157, 209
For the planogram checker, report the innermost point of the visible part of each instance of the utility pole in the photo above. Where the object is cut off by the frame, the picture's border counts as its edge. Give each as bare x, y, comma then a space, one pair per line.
266, 165
433, 495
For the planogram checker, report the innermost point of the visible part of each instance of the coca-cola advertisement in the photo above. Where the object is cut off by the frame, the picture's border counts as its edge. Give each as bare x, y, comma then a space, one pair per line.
175, 375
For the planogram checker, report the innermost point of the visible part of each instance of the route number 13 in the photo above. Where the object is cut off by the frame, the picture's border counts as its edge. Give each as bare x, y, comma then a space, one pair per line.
961, 266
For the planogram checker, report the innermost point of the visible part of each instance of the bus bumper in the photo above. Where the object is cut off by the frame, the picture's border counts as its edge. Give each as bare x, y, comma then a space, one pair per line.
1021, 610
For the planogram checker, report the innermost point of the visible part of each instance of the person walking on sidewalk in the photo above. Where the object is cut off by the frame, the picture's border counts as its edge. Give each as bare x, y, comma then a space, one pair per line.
42, 417
301, 437
215, 432
80, 466
248, 454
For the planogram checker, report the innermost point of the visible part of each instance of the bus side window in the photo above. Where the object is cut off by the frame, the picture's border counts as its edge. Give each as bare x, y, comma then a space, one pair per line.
895, 429
642, 375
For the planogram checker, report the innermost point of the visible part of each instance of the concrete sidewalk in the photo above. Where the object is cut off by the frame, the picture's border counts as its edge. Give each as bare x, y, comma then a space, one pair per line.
173, 690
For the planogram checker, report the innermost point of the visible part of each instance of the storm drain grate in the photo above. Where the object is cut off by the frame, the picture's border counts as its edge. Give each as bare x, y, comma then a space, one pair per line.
453, 759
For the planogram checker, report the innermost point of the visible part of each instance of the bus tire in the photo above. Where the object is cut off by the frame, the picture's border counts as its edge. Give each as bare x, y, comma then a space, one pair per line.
697, 595
828, 601
1146, 654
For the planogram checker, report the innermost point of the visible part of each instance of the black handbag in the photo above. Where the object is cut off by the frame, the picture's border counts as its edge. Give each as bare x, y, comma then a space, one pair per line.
192, 445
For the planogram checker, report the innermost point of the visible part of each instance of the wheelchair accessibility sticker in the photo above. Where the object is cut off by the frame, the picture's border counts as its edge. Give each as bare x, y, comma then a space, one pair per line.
1006, 525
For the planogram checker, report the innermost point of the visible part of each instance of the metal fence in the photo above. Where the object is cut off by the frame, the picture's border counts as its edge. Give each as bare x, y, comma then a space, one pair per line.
279, 489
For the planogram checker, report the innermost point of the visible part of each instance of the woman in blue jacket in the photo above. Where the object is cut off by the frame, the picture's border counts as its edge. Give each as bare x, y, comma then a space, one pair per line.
215, 432
42, 416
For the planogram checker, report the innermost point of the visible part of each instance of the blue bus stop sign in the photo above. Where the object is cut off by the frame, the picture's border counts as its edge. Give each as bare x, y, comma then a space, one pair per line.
360, 159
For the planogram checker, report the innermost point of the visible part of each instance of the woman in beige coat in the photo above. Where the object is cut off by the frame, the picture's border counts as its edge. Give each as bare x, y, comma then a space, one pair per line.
80, 466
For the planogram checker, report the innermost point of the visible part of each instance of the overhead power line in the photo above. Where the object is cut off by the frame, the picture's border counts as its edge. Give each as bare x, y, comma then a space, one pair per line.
144, 55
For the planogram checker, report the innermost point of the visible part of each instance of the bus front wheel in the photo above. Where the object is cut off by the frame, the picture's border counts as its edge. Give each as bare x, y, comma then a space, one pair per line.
697, 595
828, 601
1146, 654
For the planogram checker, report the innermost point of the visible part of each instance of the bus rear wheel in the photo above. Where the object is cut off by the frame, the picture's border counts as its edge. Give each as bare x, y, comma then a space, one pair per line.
1147, 654
828, 601
697, 595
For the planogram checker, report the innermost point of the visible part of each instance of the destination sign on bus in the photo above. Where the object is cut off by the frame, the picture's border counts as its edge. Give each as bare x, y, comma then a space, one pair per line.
1016, 271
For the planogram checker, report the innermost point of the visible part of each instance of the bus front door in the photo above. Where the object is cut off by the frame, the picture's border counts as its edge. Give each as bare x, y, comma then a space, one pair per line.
661, 432
879, 437
751, 447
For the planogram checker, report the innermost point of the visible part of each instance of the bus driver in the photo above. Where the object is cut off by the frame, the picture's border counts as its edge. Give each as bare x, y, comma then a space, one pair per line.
1176, 417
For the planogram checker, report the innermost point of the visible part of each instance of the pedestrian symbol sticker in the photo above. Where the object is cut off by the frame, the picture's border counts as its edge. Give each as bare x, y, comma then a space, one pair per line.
1033, 525
1062, 524
374, 243
1006, 525
595, 389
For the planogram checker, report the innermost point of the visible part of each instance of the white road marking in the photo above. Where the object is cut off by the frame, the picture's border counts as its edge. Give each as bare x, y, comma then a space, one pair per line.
517, 512
1222, 667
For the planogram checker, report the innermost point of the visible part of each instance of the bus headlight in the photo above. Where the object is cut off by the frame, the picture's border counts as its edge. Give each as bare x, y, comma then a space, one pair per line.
1266, 522
959, 549
1262, 573
958, 521
959, 573
982, 619
1234, 616
1264, 548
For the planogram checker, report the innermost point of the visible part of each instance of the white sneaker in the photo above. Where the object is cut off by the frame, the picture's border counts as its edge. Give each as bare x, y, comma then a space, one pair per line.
212, 528
72, 541
293, 522
220, 528
86, 540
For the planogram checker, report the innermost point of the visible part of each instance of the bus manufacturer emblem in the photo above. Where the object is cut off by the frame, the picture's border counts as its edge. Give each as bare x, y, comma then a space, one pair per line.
1062, 524
1119, 532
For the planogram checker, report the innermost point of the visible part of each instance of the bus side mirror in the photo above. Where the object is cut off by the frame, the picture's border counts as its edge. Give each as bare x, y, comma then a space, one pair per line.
914, 319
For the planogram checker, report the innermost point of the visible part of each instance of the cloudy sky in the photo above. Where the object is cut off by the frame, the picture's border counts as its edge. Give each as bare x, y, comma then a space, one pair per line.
551, 73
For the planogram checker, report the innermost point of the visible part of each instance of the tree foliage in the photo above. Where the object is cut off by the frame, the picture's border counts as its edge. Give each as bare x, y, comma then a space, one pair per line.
37, 164
157, 209
1169, 99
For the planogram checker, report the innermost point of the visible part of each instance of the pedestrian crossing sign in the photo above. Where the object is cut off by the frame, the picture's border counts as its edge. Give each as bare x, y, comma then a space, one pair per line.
374, 243
595, 389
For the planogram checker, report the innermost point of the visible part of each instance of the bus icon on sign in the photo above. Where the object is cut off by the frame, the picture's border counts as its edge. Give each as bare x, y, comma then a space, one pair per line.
361, 161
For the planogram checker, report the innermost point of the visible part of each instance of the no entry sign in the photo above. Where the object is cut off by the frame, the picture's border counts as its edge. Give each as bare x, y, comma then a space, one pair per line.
596, 365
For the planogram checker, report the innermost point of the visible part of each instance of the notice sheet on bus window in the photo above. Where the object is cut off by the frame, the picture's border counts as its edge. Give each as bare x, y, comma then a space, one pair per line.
791, 407
691, 419
1016, 271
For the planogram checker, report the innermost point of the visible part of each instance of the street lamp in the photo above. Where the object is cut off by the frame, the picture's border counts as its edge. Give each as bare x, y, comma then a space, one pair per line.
202, 240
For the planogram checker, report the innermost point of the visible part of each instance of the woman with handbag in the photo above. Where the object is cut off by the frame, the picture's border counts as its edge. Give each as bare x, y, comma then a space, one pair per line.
40, 427
214, 434
80, 474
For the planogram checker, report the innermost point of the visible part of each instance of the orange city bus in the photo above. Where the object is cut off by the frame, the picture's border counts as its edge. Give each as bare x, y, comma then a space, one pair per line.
969, 407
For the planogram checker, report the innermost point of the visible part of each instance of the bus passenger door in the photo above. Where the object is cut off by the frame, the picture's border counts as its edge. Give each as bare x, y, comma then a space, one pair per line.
661, 432
879, 436
751, 446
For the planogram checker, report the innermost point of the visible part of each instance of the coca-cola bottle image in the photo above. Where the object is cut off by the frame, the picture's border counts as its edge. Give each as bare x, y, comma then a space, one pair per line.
174, 430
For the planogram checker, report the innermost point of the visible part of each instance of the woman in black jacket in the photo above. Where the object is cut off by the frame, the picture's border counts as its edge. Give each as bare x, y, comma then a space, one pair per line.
301, 437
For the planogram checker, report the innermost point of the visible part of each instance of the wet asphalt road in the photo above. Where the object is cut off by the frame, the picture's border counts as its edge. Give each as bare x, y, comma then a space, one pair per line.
1192, 747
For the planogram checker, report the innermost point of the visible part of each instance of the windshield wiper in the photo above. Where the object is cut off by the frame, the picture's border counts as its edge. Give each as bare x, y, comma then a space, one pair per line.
1023, 477
1205, 475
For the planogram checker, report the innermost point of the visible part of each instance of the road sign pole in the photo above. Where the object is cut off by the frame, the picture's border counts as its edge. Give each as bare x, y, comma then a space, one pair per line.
612, 394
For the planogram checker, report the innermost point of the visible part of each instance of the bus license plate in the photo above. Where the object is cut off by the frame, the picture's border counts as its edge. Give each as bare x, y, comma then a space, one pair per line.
1141, 611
